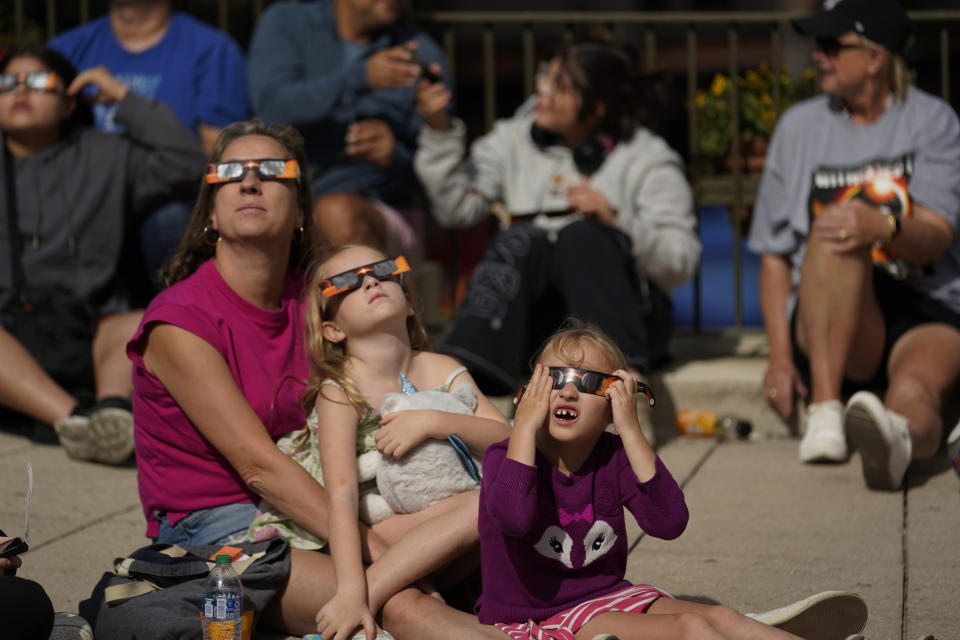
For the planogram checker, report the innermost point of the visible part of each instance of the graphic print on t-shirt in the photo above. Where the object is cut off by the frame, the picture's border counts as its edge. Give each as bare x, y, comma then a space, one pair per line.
882, 183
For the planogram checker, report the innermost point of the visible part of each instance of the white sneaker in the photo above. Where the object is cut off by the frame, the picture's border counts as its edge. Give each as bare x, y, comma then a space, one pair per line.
953, 448
74, 434
830, 614
881, 437
113, 430
823, 440
105, 436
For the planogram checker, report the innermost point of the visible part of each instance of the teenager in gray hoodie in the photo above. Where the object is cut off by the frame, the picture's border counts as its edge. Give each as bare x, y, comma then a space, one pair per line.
70, 194
596, 215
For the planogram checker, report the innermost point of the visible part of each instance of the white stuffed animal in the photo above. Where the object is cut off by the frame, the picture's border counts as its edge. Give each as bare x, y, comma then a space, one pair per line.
429, 472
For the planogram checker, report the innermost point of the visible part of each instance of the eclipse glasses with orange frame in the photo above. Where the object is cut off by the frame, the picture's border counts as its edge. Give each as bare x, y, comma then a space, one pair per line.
266, 169
586, 381
33, 80
389, 269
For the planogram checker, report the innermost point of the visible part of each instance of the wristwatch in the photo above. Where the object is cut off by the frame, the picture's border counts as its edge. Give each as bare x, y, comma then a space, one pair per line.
893, 220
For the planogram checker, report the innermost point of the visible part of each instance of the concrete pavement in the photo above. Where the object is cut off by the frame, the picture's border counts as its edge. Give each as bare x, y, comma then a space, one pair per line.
764, 529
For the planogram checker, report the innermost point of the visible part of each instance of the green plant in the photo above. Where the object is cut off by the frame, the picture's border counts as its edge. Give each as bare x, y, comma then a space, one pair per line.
758, 113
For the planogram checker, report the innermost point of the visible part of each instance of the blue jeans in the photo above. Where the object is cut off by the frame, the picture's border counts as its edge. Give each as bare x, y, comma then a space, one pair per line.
216, 525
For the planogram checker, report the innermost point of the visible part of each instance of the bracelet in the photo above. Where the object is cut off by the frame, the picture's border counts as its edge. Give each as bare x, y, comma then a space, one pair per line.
893, 221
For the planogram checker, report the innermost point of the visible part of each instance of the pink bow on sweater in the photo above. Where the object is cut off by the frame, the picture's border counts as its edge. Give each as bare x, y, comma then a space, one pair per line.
566, 518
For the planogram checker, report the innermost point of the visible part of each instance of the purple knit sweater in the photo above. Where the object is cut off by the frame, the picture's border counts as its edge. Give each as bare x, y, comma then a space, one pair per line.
549, 541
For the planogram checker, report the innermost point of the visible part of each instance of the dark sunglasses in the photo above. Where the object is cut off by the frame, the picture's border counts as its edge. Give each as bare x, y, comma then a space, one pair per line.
390, 269
266, 169
586, 381
831, 47
33, 80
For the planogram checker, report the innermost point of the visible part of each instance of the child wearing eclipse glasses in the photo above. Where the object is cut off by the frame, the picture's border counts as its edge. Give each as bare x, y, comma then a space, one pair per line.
365, 340
552, 535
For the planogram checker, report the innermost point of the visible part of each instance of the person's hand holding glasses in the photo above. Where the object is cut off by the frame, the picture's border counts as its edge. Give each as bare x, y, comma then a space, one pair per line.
586, 381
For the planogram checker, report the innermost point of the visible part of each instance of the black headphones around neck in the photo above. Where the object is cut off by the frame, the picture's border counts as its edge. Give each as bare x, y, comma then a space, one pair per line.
588, 155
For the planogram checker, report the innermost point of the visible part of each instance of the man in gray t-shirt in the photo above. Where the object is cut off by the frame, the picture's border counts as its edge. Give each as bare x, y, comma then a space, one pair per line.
860, 276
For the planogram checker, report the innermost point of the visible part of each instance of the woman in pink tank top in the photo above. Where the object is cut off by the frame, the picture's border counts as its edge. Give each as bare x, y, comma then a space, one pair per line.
219, 367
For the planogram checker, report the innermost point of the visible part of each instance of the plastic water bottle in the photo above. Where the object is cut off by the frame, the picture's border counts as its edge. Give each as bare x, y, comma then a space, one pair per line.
222, 606
695, 422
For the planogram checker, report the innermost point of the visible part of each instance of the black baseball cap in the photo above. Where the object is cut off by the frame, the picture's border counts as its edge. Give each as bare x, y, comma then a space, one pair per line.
883, 21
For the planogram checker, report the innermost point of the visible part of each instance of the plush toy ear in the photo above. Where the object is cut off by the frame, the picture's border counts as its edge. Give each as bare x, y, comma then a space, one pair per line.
466, 394
332, 332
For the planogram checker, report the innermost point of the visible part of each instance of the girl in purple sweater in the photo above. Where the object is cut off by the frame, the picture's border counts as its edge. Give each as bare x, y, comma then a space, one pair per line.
552, 534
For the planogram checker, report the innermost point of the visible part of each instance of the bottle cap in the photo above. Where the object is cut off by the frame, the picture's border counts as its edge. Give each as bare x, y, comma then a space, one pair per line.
743, 428
223, 559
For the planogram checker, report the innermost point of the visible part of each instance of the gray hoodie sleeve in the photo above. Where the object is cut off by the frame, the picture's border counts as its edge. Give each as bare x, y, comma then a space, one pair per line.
459, 188
163, 154
660, 218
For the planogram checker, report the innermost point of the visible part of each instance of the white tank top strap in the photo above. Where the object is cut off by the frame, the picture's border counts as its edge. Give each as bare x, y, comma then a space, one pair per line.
453, 374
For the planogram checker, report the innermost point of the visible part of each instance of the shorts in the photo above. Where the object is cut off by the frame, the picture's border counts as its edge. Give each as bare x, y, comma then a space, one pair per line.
216, 525
902, 308
562, 626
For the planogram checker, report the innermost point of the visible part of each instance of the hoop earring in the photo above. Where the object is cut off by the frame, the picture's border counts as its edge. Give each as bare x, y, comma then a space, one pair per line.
210, 236
299, 235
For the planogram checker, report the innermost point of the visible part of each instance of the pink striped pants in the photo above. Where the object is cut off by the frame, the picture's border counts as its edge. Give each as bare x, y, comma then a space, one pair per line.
563, 625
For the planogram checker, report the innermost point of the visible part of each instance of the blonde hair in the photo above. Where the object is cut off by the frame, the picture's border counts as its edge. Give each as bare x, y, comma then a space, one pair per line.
327, 359
897, 72
566, 344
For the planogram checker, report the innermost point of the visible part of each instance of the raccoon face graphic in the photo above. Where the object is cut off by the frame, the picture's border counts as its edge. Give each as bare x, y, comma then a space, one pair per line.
573, 550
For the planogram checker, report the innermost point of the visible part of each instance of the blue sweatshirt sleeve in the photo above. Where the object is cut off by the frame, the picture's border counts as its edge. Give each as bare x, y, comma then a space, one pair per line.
280, 90
657, 504
508, 492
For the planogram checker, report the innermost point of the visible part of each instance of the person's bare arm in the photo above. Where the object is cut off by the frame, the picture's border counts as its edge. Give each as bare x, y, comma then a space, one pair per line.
404, 430
337, 438
782, 378
923, 237
199, 380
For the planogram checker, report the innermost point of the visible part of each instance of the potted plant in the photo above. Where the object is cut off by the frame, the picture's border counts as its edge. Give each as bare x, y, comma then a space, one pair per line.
758, 115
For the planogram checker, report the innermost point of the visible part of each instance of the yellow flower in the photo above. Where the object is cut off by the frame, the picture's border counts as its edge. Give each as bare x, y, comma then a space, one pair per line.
719, 85
754, 81
757, 114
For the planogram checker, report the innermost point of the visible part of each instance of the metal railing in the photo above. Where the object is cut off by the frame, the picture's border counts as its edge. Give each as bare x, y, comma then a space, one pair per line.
734, 190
